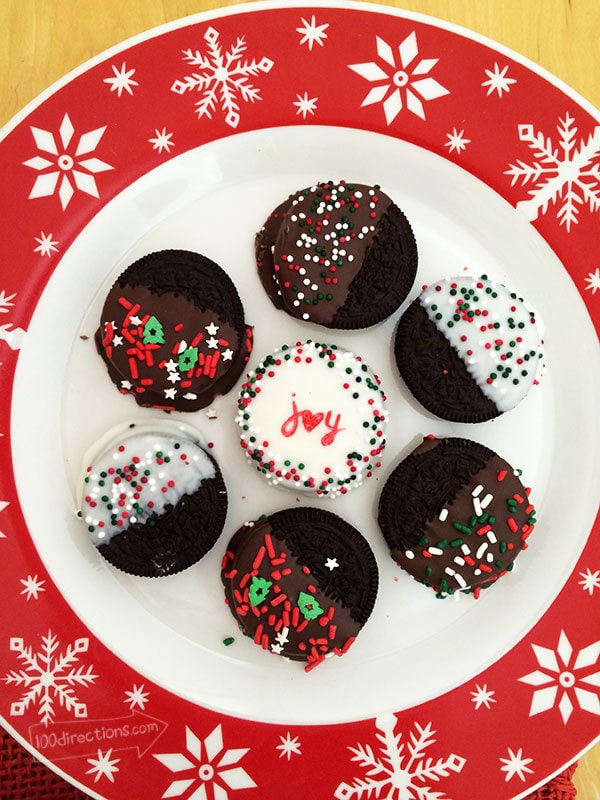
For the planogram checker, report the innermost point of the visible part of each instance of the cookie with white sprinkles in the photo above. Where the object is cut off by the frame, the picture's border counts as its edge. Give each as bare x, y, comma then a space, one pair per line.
301, 583
469, 348
340, 254
455, 515
172, 331
153, 500
312, 418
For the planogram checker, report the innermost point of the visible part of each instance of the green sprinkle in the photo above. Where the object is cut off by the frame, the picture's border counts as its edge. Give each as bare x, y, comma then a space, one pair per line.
228, 640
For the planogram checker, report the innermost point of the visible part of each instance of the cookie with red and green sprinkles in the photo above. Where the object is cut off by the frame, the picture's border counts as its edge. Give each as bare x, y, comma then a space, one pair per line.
301, 583
152, 498
455, 515
313, 418
469, 348
172, 331
340, 254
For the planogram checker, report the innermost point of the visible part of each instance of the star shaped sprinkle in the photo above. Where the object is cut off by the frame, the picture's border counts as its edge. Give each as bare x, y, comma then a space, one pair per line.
331, 564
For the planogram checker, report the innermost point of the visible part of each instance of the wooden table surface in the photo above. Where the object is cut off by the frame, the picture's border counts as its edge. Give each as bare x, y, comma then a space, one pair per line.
41, 40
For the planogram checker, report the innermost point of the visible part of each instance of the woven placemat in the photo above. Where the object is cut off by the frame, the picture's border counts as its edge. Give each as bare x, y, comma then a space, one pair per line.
23, 777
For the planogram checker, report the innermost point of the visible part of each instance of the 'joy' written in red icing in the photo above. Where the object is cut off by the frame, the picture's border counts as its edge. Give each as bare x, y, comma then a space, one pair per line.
310, 421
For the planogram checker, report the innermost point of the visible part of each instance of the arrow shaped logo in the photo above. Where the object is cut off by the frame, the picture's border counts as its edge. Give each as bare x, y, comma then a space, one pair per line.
83, 737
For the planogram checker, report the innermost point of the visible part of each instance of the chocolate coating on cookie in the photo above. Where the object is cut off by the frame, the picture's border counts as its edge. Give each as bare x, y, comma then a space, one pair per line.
469, 348
301, 582
343, 255
172, 331
455, 515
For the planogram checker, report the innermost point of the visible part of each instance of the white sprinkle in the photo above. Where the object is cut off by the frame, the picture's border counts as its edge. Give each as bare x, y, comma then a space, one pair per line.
477, 507
492, 537
460, 561
490, 557
481, 550
443, 515
409, 554
477, 490
436, 551
487, 500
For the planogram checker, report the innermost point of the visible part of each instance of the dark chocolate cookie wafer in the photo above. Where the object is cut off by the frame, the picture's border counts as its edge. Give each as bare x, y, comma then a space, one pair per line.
468, 348
172, 331
153, 500
301, 582
340, 254
455, 515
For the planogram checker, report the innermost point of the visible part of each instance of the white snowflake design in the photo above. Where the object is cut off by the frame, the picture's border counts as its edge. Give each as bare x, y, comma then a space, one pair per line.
400, 81
210, 765
137, 697
66, 166
289, 746
515, 764
305, 104
482, 696
565, 175
162, 141
593, 280
561, 677
13, 338
3, 503
46, 244
498, 80
222, 77
49, 676
406, 776
590, 580
32, 586
121, 80
312, 32
456, 141
103, 765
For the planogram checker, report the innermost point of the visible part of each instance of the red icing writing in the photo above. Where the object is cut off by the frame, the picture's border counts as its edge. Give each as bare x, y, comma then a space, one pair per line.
310, 421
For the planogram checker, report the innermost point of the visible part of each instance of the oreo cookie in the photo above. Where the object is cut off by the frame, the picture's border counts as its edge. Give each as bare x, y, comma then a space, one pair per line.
340, 254
469, 349
313, 418
455, 515
153, 500
172, 331
301, 583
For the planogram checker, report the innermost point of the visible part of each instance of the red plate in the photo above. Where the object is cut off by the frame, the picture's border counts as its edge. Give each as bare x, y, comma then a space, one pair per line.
108, 726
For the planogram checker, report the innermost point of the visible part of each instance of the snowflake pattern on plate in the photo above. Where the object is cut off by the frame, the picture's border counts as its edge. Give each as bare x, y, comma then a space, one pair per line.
312, 32
561, 677
48, 676
210, 765
103, 765
405, 774
498, 80
121, 80
62, 168
46, 245
565, 175
399, 81
590, 581
222, 77
516, 764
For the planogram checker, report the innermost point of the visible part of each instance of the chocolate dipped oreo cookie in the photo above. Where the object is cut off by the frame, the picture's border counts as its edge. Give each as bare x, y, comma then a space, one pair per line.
339, 254
152, 499
455, 515
469, 348
172, 331
313, 418
301, 583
